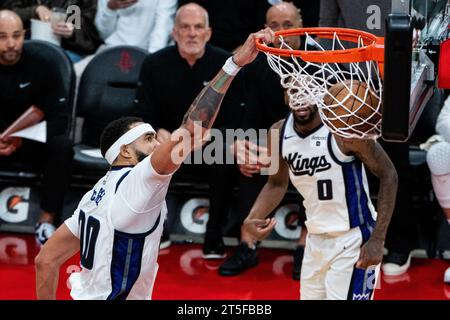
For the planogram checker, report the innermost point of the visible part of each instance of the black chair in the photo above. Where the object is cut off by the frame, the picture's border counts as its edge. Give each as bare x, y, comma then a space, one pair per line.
106, 92
55, 55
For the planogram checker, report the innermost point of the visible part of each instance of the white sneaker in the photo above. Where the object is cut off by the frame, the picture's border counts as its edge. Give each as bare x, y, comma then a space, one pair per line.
397, 264
164, 244
43, 231
447, 276
165, 240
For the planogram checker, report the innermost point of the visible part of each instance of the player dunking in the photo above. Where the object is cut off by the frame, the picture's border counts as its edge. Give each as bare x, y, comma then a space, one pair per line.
343, 238
118, 224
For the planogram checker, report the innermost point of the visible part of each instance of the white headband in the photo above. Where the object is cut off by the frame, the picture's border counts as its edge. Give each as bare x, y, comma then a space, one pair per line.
127, 138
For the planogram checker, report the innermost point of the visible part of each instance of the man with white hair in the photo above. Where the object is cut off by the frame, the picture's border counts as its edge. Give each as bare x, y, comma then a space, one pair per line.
118, 223
438, 160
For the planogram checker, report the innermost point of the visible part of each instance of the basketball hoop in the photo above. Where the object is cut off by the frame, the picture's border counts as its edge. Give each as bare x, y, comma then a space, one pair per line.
354, 62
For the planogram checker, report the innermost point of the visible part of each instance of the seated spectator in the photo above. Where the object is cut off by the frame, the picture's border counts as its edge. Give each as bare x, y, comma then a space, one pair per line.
266, 105
27, 81
170, 79
78, 42
438, 160
142, 23
233, 20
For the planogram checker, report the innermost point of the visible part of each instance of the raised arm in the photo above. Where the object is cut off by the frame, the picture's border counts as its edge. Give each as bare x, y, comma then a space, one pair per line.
271, 194
377, 161
203, 111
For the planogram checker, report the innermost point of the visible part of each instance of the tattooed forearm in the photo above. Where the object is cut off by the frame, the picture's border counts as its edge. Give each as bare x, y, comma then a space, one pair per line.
376, 160
205, 107
379, 163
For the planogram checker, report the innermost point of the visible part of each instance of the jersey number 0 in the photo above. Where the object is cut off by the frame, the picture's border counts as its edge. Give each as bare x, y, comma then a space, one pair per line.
325, 190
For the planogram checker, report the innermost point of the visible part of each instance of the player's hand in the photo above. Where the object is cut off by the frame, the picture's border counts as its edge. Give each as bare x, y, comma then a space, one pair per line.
120, 4
249, 156
43, 13
248, 52
371, 254
249, 170
259, 229
9, 146
63, 29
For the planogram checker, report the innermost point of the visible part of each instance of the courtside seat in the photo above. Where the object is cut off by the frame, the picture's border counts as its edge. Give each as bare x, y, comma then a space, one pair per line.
106, 92
57, 57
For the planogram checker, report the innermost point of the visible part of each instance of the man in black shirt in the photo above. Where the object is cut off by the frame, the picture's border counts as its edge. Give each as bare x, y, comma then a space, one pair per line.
26, 81
265, 105
170, 80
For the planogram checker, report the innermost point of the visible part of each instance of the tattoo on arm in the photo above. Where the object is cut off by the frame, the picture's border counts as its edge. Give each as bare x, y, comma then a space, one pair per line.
376, 160
205, 107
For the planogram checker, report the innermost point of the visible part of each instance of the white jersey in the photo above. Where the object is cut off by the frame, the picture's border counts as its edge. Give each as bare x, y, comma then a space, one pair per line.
334, 186
119, 223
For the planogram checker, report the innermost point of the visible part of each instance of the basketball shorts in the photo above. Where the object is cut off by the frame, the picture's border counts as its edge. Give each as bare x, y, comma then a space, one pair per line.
328, 268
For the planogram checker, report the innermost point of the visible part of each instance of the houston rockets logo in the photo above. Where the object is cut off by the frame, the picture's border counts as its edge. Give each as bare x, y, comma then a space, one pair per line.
126, 62
14, 203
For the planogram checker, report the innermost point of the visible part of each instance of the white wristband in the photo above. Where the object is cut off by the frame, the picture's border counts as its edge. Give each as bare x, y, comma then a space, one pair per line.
230, 67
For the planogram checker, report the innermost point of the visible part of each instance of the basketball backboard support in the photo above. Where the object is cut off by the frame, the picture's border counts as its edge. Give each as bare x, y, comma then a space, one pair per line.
414, 30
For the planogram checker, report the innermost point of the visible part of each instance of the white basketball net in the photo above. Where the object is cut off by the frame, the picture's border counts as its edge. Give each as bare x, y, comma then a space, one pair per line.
305, 87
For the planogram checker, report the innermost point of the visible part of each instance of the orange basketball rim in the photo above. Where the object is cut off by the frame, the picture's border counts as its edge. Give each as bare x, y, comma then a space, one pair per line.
370, 47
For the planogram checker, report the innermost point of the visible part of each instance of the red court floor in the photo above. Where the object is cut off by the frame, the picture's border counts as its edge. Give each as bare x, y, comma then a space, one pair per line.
184, 275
